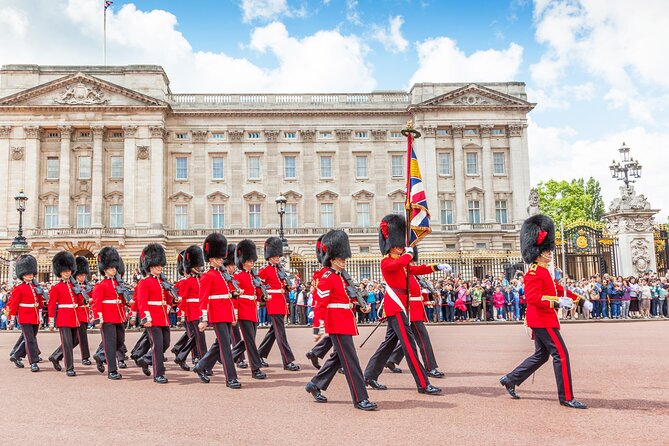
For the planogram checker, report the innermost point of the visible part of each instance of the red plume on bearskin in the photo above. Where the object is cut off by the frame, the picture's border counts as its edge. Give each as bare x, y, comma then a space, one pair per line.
193, 258
273, 247
108, 257
246, 250
25, 264
392, 233
319, 249
63, 261
215, 246
336, 246
537, 235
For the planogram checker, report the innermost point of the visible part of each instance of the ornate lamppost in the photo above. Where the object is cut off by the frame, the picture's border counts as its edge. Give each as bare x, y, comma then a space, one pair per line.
281, 210
19, 244
628, 170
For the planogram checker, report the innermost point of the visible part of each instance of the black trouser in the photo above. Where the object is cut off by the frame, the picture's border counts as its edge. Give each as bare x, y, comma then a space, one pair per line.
322, 347
248, 344
160, 342
142, 346
424, 345
398, 330
68, 340
197, 342
82, 340
29, 345
19, 346
220, 351
344, 356
181, 343
276, 332
236, 338
547, 342
113, 338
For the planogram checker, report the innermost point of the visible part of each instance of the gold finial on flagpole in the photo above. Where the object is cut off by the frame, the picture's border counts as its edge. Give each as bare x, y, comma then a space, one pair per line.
409, 129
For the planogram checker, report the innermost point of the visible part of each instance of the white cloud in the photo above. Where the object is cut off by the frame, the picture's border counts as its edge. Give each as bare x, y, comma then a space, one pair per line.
561, 154
440, 60
14, 20
391, 37
263, 9
561, 97
352, 13
614, 42
325, 61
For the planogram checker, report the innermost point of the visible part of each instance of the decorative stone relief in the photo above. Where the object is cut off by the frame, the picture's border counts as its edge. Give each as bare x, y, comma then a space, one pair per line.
98, 131
640, 255
471, 99
486, 129
458, 130
129, 131
625, 224
629, 200
363, 194
343, 134
65, 131
143, 152
157, 131
327, 195
533, 203
236, 135
429, 130
200, 135
5, 131
271, 135
32, 132
17, 153
515, 130
379, 134
81, 94
308, 134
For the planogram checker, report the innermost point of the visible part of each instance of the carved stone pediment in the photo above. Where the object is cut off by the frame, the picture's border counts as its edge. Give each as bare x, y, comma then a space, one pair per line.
397, 194
363, 194
114, 197
254, 196
217, 196
79, 93
291, 195
475, 96
49, 198
327, 195
180, 197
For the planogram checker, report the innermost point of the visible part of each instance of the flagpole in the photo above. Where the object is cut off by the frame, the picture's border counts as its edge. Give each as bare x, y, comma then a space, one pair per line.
104, 35
410, 133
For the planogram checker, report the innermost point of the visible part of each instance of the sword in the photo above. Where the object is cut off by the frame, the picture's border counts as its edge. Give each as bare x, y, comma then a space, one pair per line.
375, 328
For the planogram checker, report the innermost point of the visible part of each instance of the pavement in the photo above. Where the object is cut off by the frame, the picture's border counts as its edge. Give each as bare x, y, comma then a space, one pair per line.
621, 370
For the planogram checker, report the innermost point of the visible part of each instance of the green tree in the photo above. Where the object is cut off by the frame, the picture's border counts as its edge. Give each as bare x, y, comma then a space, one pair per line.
597, 208
566, 201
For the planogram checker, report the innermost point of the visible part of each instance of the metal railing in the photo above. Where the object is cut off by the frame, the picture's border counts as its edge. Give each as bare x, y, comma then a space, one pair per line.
286, 99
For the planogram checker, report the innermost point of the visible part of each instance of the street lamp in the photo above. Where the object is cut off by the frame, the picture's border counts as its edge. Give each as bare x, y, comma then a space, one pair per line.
20, 241
626, 170
281, 210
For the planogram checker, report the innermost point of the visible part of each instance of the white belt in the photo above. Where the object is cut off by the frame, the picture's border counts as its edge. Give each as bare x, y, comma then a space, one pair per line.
112, 301
157, 303
342, 306
275, 291
219, 296
247, 296
416, 299
67, 305
29, 305
192, 301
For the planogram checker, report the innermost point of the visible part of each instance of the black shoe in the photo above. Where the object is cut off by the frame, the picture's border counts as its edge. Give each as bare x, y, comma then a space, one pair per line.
209, 373
341, 370
263, 363
242, 364
182, 364
233, 384
292, 367
374, 384
39, 359
315, 392
430, 390
145, 366
365, 405
71, 373
393, 368
574, 404
17, 362
174, 351
314, 360
122, 364
56, 364
86, 361
203, 376
160, 379
34, 367
258, 374
434, 373
114, 375
509, 386
99, 364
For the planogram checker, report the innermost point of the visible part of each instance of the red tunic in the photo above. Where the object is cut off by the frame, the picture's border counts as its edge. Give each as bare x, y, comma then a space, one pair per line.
541, 293
83, 309
338, 310
417, 300
153, 301
393, 270
215, 297
25, 303
247, 301
63, 299
107, 304
276, 294
319, 310
189, 291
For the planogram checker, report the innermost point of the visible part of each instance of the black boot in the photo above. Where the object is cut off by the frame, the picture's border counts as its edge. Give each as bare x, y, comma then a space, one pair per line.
365, 405
34, 367
242, 364
315, 392
160, 379
71, 373
258, 374
114, 376
314, 360
17, 362
434, 373
374, 384
430, 390
392, 367
292, 367
233, 384
182, 365
509, 386
99, 364
86, 361
201, 374
145, 366
56, 364
574, 404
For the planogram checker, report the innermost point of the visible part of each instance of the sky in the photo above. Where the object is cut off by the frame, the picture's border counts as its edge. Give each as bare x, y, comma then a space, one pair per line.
596, 69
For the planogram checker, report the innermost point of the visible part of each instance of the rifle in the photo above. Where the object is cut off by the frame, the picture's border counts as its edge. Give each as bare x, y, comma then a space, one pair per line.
122, 288
41, 291
353, 291
257, 283
284, 277
78, 290
170, 288
236, 291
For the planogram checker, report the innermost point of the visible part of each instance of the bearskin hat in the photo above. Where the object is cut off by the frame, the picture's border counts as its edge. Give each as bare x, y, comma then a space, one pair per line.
230, 258
335, 244
63, 261
536, 236
273, 247
215, 246
193, 258
108, 257
319, 249
153, 254
82, 267
392, 232
25, 264
246, 250
140, 267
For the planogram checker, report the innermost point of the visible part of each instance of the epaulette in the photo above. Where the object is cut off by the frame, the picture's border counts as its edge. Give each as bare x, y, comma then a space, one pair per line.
532, 271
326, 274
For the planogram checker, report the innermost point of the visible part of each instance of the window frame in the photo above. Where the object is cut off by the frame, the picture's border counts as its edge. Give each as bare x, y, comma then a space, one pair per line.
118, 215
494, 164
86, 214
252, 215
178, 216
111, 167
285, 167
499, 209
331, 214
50, 215
249, 159
90, 173
444, 212
358, 167
214, 215
320, 167
176, 168
473, 211
447, 156
476, 158
57, 168
214, 159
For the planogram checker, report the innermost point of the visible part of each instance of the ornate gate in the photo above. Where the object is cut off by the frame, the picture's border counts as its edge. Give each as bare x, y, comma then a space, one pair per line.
662, 248
588, 250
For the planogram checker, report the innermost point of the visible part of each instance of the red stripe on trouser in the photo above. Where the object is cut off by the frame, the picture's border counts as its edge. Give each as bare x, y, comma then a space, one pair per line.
220, 352
564, 364
423, 350
412, 358
347, 368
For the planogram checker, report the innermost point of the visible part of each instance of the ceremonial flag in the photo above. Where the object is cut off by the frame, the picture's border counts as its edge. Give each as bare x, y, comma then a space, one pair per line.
416, 202
108, 4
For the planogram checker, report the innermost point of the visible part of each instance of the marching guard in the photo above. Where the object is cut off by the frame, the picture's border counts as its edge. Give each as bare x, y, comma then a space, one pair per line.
340, 325
543, 294
323, 343
143, 344
235, 334
185, 340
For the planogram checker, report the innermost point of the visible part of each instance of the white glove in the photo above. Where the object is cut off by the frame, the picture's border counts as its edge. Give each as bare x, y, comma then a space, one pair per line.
408, 250
566, 302
445, 267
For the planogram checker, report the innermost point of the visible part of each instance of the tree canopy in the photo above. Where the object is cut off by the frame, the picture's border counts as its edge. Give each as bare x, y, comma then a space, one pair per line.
566, 201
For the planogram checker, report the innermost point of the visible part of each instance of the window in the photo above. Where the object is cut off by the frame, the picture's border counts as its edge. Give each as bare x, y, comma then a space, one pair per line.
364, 250
450, 246
217, 216
361, 135
117, 135
218, 136
53, 135
398, 208
327, 215
254, 168
291, 215
325, 135
472, 164
181, 216
50, 217
444, 164
446, 211
116, 167
498, 163
289, 167
395, 135
397, 165
500, 211
361, 167
474, 207
84, 134
84, 216
254, 135
182, 168
507, 246
217, 168
183, 136
442, 132
84, 167
497, 132
326, 167
365, 272
481, 245
115, 216
254, 216
52, 168
290, 135
470, 132
363, 215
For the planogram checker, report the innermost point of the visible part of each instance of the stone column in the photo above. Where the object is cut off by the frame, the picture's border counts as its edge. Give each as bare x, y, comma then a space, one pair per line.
157, 176
98, 176
129, 157
64, 176
487, 173
5, 133
428, 160
459, 174
200, 170
31, 176
516, 166
342, 166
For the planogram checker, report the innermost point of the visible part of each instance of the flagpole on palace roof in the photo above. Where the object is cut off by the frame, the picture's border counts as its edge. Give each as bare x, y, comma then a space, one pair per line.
105, 4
